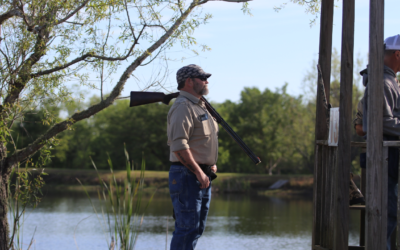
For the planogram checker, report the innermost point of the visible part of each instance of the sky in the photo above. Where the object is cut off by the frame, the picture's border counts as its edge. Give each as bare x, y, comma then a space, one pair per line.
265, 50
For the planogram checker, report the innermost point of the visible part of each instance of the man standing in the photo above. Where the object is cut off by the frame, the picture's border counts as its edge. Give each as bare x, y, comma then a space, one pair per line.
193, 141
391, 122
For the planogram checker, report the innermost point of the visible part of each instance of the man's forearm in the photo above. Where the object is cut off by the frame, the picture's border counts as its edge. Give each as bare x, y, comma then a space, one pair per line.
186, 158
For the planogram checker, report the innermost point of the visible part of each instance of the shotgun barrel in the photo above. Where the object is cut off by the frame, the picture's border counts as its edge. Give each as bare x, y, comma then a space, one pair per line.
141, 98
232, 133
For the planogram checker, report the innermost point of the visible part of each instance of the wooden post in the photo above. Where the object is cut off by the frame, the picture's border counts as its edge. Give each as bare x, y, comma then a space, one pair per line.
342, 173
321, 130
376, 203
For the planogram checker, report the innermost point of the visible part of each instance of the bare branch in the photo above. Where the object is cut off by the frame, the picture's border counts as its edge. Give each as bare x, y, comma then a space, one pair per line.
72, 13
180, 6
7, 60
129, 21
83, 58
81, 24
158, 26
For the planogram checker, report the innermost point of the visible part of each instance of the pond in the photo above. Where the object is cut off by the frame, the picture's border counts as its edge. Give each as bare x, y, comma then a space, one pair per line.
235, 222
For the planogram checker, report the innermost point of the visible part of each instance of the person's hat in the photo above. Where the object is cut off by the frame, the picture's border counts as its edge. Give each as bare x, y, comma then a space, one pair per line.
190, 71
392, 43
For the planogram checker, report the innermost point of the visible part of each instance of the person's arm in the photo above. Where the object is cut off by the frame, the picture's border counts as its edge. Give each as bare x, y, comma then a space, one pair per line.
358, 120
359, 130
186, 158
391, 123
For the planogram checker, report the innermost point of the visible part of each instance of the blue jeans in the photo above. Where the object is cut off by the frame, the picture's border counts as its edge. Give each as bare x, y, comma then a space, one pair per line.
392, 208
191, 205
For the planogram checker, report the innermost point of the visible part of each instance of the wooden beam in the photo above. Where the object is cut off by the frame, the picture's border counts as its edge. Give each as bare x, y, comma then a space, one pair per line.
376, 203
324, 60
342, 173
321, 130
391, 143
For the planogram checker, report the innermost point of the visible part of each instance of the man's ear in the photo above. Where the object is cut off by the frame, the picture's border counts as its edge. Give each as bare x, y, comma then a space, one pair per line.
188, 82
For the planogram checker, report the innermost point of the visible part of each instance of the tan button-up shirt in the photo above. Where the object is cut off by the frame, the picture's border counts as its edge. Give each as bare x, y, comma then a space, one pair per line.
190, 125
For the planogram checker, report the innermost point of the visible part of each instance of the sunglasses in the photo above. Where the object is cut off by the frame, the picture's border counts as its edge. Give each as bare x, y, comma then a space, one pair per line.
201, 78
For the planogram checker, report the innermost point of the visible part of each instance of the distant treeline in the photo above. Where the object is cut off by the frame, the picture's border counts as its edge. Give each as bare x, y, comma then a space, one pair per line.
278, 127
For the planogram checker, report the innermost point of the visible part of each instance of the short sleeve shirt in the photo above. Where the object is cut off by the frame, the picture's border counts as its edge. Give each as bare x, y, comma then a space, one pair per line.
191, 126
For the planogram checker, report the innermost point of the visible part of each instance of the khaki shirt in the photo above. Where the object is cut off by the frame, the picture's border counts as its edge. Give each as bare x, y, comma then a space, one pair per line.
190, 125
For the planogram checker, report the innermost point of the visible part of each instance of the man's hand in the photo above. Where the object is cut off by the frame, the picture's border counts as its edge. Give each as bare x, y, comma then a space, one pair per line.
185, 156
359, 130
203, 179
214, 168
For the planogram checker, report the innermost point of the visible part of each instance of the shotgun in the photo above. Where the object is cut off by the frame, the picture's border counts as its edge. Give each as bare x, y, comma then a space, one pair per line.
141, 98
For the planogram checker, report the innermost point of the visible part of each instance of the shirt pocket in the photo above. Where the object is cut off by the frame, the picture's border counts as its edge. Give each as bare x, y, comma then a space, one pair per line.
202, 128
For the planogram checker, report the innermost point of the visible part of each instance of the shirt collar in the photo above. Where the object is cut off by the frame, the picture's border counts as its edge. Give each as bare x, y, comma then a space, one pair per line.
189, 96
389, 71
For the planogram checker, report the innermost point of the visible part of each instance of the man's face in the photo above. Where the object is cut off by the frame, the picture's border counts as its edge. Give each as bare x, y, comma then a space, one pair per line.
200, 86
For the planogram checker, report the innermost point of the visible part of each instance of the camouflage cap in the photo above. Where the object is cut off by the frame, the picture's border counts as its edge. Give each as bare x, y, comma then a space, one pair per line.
190, 71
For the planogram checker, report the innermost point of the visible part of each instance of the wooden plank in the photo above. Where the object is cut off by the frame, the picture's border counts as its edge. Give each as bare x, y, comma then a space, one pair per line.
384, 195
324, 61
321, 142
357, 207
342, 175
362, 213
321, 130
391, 143
316, 235
329, 196
375, 227
358, 144
332, 184
318, 247
324, 220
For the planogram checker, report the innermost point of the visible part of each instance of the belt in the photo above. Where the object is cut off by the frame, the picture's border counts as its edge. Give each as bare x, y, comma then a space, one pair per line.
181, 164
204, 167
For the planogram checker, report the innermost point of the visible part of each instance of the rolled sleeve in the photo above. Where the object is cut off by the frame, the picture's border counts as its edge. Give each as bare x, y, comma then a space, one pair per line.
181, 127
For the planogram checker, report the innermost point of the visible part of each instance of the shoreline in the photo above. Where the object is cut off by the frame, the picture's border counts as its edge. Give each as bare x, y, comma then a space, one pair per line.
66, 180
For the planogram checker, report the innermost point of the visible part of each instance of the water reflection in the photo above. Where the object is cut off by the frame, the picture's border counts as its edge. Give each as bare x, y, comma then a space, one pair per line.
235, 222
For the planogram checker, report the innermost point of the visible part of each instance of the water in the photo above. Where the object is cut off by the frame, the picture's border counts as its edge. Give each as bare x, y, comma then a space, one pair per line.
235, 222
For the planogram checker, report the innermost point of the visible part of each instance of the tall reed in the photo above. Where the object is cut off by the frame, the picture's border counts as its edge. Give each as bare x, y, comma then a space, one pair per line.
123, 215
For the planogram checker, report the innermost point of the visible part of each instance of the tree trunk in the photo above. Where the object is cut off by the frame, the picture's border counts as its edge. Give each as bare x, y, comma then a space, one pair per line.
5, 171
4, 229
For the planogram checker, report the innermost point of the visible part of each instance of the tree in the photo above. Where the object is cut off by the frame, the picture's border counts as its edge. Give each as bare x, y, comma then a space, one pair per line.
45, 44
266, 122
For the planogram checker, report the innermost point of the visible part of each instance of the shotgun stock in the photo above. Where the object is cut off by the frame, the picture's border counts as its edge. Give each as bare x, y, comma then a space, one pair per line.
141, 98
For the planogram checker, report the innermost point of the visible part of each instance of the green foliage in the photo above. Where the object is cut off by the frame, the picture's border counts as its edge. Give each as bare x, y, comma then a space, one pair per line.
123, 206
267, 122
142, 129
